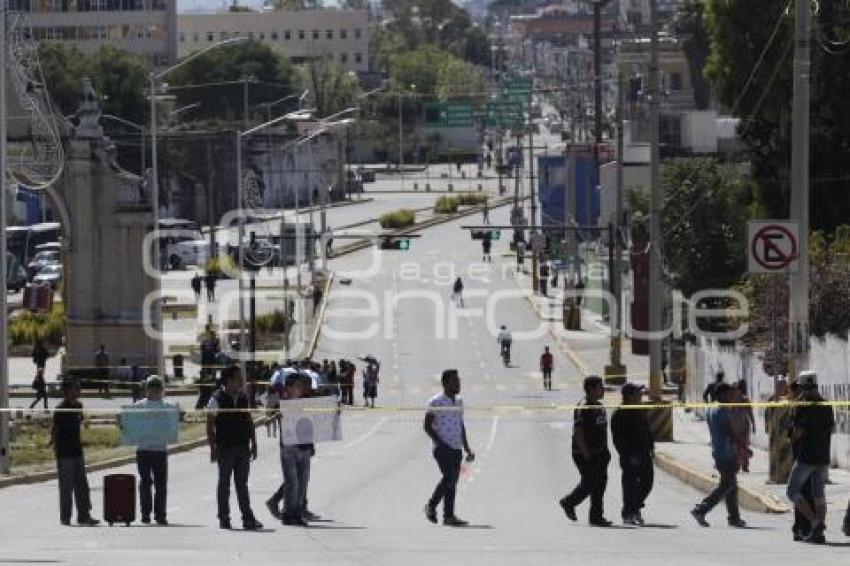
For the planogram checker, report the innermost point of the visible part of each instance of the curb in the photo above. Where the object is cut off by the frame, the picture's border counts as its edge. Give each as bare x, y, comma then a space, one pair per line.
311, 348
39, 477
748, 497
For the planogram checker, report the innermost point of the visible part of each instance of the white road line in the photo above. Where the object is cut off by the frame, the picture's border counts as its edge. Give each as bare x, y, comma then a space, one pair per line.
494, 429
366, 435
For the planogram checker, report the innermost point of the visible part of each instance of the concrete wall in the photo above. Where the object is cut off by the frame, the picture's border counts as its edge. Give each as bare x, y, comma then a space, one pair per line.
635, 176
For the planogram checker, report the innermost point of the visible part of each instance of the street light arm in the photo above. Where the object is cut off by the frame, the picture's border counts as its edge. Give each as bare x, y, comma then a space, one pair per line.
277, 120
340, 113
138, 127
196, 54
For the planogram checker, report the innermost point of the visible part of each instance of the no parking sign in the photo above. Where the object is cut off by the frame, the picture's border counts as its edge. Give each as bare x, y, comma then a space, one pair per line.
773, 246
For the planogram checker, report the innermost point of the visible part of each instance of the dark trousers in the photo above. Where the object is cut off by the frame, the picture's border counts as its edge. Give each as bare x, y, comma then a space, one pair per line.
347, 394
727, 489
73, 483
210, 294
801, 524
448, 459
638, 476
594, 480
234, 461
153, 476
40, 394
547, 378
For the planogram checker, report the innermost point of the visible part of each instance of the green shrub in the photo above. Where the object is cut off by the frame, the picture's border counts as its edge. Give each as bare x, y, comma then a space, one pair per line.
272, 322
221, 264
471, 199
446, 205
399, 219
31, 326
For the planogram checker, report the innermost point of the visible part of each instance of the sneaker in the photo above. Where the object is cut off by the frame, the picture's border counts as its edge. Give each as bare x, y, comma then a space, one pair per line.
252, 525
431, 514
273, 509
225, 524
737, 523
146, 519
569, 510
600, 522
88, 521
699, 516
815, 535
310, 516
454, 522
631, 520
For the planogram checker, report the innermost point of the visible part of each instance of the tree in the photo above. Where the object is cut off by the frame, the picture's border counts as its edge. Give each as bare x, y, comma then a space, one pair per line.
420, 67
690, 28
459, 80
742, 30
331, 88
119, 77
271, 76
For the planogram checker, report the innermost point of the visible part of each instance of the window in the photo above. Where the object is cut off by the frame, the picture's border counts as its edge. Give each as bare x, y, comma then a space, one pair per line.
222, 35
357, 33
302, 34
287, 35
262, 36
358, 58
274, 36
315, 35
343, 34
210, 36
329, 34
182, 37
343, 58
250, 35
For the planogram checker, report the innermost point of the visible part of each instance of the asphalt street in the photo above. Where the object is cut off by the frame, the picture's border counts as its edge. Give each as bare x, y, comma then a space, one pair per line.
370, 487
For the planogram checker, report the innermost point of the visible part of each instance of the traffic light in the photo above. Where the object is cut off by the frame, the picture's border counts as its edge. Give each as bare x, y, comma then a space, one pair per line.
390, 243
486, 234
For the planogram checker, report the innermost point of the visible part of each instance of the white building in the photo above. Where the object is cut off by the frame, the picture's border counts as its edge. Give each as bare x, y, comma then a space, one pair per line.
145, 27
300, 35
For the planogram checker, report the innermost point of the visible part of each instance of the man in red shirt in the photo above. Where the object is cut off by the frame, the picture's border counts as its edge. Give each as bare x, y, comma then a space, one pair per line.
546, 363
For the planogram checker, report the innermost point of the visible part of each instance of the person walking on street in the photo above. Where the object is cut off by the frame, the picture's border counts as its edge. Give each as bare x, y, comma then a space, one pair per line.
209, 283
317, 298
709, 395
485, 212
812, 427
196, 287
590, 454
70, 460
444, 425
486, 246
39, 355
39, 358
544, 278
457, 292
370, 380
633, 440
233, 444
152, 460
724, 450
547, 361
294, 460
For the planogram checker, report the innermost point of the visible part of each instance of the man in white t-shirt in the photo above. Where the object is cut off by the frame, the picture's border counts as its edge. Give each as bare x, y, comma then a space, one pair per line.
444, 424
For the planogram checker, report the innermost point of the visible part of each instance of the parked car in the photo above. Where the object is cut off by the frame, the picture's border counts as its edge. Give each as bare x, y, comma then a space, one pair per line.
50, 274
16, 276
188, 252
41, 259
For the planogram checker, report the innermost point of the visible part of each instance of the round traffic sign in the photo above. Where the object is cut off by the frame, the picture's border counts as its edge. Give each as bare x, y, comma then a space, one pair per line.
774, 247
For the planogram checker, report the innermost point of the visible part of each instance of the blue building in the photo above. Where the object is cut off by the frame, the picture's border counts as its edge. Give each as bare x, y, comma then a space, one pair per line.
568, 191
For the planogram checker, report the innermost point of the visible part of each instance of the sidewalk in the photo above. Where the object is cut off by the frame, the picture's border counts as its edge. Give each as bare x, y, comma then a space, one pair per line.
688, 458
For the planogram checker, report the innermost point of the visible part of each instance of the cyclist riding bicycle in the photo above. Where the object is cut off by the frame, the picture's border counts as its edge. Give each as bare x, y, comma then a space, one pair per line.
504, 339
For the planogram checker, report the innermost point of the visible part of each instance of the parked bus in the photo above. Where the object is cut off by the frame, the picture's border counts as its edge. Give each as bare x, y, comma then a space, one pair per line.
182, 243
23, 240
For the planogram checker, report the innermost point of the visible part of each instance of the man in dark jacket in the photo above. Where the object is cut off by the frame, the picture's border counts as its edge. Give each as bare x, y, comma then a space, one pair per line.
633, 440
233, 444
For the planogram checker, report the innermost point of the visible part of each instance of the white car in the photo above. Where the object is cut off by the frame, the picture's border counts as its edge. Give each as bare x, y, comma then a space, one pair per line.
50, 274
42, 259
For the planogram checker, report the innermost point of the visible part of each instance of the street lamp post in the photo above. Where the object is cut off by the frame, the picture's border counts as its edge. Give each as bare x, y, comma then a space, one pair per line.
153, 80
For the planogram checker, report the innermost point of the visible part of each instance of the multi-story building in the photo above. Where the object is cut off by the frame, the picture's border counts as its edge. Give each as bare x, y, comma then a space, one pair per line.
145, 27
300, 35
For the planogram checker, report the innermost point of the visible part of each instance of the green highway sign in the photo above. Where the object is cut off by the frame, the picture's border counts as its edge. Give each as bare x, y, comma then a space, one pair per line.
448, 115
505, 112
519, 86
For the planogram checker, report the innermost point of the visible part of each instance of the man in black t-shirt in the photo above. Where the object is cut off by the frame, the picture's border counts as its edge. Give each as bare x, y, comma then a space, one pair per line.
813, 425
70, 463
632, 437
590, 454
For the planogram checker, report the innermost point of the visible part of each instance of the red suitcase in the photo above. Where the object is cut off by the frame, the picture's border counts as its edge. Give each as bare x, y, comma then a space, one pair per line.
119, 499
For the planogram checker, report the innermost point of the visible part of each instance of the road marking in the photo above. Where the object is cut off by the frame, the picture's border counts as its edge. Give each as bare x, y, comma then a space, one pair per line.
494, 429
366, 435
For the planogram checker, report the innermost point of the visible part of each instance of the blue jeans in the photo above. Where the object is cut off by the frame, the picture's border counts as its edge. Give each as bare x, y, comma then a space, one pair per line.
800, 474
295, 462
449, 460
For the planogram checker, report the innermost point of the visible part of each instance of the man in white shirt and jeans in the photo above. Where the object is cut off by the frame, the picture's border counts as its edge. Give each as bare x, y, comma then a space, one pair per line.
444, 424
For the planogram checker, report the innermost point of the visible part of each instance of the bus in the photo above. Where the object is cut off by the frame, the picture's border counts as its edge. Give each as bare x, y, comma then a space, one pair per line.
182, 244
23, 240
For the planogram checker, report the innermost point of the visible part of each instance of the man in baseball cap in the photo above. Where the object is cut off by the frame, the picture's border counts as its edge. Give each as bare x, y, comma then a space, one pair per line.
633, 440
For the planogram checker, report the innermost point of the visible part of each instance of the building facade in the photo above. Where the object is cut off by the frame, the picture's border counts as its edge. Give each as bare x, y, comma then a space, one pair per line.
145, 27
342, 35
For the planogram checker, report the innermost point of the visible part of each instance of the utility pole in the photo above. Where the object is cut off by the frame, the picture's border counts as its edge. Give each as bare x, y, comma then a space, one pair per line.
4, 336
798, 320
656, 303
616, 372
597, 74
533, 222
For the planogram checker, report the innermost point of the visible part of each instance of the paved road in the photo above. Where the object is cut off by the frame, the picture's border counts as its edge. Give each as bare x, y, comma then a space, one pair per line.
370, 487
